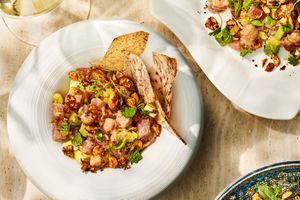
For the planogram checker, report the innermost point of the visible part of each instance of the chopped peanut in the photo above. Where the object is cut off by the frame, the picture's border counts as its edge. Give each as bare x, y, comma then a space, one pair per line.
286, 195
256, 197
113, 100
274, 15
270, 67
73, 75
275, 60
266, 9
112, 162
68, 151
212, 23
283, 20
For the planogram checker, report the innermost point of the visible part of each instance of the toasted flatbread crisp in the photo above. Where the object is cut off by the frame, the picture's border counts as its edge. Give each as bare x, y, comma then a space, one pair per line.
140, 75
114, 58
162, 77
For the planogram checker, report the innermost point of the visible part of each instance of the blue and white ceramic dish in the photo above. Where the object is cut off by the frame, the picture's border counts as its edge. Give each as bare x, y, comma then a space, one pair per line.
285, 175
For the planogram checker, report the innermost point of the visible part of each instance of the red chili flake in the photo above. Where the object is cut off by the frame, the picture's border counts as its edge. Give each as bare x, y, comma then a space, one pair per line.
282, 68
264, 61
270, 67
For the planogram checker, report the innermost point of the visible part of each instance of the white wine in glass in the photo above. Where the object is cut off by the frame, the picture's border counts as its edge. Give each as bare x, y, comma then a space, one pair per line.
32, 20
27, 7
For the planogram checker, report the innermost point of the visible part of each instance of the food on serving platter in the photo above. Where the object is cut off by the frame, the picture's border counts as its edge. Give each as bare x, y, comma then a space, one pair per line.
270, 24
265, 192
111, 112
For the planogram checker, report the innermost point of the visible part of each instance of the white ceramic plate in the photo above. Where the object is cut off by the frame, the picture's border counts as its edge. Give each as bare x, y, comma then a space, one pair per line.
272, 95
45, 71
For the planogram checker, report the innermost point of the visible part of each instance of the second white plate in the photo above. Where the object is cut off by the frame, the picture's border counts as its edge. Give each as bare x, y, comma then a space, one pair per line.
272, 95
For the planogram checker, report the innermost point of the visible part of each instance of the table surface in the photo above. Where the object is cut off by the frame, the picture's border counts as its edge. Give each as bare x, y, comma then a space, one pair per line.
233, 144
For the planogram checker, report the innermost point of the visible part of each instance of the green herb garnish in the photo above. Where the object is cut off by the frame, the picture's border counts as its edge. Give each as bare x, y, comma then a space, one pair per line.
215, 32
268, 20
247, 4
98, 135
141, 108
237, 8
230, 4
135, 157
224, 37
64, 127
77, 140
120, 145
268, 193
245, 52
293, 61
128, 112
287, 28
256, 23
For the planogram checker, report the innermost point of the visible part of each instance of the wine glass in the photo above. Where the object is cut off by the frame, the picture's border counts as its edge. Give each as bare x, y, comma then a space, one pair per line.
32, 20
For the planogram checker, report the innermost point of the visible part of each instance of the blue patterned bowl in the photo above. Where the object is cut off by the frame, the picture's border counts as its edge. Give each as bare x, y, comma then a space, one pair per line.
285, 175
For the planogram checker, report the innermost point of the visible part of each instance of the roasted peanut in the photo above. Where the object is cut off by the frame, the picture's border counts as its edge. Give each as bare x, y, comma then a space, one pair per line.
131, 102
73, 76
112, 162
211, 23
270, 67
274, 15
275, 60
113, 100
119, 75
97, 150
126, 82
286, 195
156, 128
283, 20
256, 197
68, 151
266, 9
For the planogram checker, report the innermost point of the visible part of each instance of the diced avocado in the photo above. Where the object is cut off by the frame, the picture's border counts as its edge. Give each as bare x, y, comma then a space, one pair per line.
273, 42
78, 155
57, 98
73, 119
272, 46
279, 34
262, 35
281, 31
245, 21
107, 92
77, 139
270, 21
68, 143
83, 131
123, 135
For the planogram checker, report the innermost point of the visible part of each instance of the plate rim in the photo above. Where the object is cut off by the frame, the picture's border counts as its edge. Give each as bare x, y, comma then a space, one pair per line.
247, 176
109, 20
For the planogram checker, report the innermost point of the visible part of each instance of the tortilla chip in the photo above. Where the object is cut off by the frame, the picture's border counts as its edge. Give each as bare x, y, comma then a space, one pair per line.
141, 77
114, 58
162, 76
